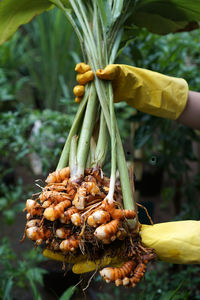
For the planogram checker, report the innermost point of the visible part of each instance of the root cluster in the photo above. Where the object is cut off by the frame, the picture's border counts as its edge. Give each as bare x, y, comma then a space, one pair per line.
74, 217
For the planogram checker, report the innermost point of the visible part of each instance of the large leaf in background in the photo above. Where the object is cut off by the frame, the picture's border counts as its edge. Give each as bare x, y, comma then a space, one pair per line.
65, 3
165, 16
15, 13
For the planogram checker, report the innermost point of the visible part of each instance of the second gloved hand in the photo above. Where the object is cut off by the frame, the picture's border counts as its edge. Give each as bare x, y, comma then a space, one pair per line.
174, 242
145, 90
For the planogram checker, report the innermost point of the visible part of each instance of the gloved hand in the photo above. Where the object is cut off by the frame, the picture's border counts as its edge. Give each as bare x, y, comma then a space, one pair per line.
174, 242
145, 90
81, 263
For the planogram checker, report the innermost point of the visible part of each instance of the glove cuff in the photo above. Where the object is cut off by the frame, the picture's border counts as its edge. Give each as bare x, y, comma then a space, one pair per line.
175, 242
177, 97
158, 94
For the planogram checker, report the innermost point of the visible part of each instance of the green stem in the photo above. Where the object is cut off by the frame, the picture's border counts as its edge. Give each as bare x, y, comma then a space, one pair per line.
113, 34
89, 40
104, 93
113, 145
127, 192
97, 33
103, 29
115, 47
86, 131
117, 6
100, 88
88, 28
91, 156
121, 161
64, 158
102, 144
72, 156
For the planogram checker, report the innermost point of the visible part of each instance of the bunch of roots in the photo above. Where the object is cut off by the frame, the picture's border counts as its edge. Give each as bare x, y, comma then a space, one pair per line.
74, 217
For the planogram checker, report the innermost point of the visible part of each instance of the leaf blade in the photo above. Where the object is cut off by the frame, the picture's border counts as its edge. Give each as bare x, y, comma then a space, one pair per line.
68, 293
13, 14
163, 16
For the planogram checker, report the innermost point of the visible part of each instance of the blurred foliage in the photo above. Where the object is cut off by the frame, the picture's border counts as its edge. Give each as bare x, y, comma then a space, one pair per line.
68, 293
9, 201
26, 131
12, 78
21, 273
38, 61
50, 54
37, 110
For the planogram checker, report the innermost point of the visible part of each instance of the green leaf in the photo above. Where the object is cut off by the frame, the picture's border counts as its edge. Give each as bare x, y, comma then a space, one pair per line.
36, 274
36, 293
15, 13
9, 216
105, 12
166, 16
172, 295
117, 10
7, 290
68, 293
66, 4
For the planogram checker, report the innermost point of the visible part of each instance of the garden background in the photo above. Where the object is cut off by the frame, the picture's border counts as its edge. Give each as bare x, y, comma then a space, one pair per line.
36, 111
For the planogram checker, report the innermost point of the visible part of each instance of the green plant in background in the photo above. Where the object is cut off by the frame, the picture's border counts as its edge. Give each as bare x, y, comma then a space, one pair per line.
51, 52
37, 62
68, 293
11, 201
27, 131
21, 273
12, 78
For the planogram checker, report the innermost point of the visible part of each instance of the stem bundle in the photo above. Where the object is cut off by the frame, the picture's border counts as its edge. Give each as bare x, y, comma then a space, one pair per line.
81, 210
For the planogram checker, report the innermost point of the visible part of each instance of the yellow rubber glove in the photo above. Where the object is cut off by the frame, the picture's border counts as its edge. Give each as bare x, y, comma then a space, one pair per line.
145, 90
174, 242
81, 264
69, 258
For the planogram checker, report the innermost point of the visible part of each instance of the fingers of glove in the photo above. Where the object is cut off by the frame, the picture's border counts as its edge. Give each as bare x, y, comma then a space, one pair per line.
79, 90
64, 258
78, 99
89, 266
109, 73
85, 77
82, 68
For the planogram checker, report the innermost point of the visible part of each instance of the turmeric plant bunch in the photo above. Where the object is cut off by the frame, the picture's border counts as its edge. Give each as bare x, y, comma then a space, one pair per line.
81, 213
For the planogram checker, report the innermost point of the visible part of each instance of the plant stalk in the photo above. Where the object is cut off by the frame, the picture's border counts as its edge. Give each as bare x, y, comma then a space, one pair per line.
127, 192
86, 131
102, 144
113, 146
72, 156
93, 37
